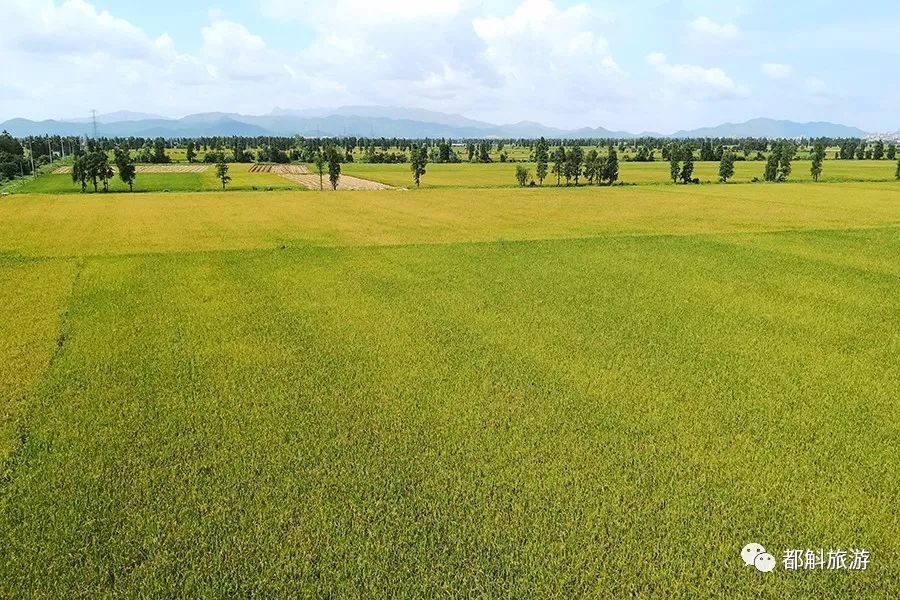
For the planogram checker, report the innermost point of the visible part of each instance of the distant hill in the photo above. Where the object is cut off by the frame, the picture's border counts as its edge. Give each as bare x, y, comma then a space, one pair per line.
116, 117
770, 128
383, 121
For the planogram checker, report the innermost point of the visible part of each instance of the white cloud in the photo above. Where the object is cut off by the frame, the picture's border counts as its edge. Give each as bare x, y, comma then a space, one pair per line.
704, 29
777, 70
556, 61
695, 82
816, 85
232, 52
361, 12
434, 53
538, 46
73, 28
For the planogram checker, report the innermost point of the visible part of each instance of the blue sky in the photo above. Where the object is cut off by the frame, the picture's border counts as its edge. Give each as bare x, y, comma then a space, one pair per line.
658, 65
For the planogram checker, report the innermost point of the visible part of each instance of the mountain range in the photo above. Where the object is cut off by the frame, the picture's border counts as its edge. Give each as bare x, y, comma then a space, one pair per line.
382, 121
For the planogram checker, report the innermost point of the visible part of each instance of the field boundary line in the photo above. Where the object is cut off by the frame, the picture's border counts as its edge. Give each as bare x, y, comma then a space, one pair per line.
286, 243
13, 461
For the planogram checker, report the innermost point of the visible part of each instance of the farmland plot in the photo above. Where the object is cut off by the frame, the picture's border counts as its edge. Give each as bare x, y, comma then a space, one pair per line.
148, 169
517, 393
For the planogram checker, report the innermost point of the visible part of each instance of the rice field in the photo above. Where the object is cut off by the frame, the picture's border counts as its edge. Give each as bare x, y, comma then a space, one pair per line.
600, 392
503, 174
362, 176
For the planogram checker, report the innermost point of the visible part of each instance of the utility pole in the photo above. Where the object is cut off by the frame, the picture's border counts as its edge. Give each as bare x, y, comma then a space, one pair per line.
94, 119
31, 155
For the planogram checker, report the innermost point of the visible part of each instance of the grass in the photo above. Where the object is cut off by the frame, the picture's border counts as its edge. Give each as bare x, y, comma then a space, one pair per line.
241, 180
459, 175
520, 393
503, 175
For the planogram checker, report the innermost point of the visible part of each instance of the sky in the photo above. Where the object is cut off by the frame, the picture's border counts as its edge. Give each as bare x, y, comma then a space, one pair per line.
640, 65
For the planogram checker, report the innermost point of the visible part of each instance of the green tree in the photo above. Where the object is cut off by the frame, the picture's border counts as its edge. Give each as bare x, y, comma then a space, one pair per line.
771, 172
788, 149
892, 151
484, 151
878, 151
321, 162
611, 167
191, 154
818, 157
10, 145
79, 172
541, 157
559, 164
687, 165
222, 173
125, 166
159, 151
96, 166
574, 162
522, 175
897, 172
106, 173
592, 166
334, 166
418, 159
674, 163
726, 166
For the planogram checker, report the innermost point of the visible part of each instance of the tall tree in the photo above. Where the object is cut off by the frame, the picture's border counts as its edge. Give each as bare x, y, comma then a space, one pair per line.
125, 166
334, 166
321, 161
818, 157
897, 172
591, 166
541, 156
891, 151
522, 175
484, 151
726, 166
191, 153
878, 151
96, 164
674, 153
772, 162
79, 172
159, 151
559, 163
574, 161
687, 165
418, 159
106, 173
706, 151
788, 149
611, 167
222, 173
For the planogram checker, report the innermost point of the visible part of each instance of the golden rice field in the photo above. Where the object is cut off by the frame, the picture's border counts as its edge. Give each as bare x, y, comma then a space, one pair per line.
599, 392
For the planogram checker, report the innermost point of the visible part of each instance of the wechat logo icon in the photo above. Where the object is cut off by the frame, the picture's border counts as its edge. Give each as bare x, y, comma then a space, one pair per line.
754, 554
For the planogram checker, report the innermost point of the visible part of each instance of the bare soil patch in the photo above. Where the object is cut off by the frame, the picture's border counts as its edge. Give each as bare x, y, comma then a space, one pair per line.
311, 181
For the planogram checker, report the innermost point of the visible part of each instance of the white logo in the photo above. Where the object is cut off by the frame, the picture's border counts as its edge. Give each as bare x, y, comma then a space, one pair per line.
754, 554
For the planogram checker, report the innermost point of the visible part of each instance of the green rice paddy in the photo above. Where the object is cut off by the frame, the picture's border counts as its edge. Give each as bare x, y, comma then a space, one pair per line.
600, 392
